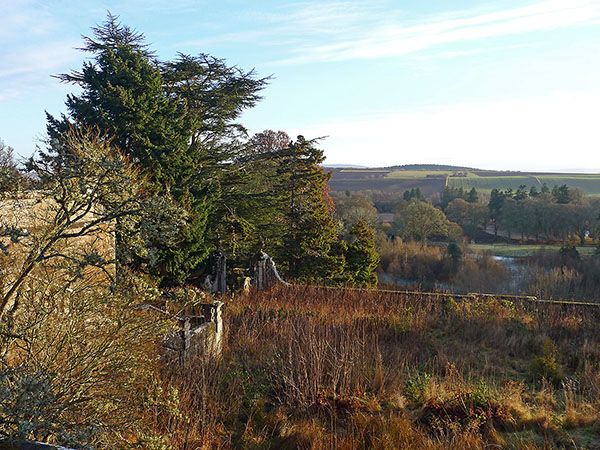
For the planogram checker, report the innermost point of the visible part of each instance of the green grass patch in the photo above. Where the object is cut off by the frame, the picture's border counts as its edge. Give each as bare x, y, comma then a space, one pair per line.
489, 183
520, 251
417, 174
588, 183
364, 170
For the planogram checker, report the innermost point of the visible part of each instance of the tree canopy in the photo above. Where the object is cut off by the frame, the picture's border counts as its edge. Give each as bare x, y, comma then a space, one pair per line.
212, 187
175, 120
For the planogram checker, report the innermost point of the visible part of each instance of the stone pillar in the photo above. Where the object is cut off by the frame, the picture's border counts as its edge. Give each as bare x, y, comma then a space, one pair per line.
265, 272
216, 282
221, 275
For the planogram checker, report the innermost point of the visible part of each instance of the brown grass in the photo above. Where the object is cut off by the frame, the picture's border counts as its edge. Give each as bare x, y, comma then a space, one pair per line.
315, 368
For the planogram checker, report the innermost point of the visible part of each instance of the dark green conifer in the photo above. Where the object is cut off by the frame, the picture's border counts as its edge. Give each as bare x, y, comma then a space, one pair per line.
175, 121
362, 258
309, 244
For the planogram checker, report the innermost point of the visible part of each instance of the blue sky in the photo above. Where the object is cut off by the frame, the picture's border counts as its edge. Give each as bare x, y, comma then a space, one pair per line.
492, 84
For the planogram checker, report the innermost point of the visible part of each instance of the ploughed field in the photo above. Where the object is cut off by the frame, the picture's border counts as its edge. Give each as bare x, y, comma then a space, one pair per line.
433, 180
382, 180
317, 368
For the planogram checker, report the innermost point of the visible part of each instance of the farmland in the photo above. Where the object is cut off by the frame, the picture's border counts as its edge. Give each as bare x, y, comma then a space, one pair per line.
386, 180
588, 183
432, 180
521, 250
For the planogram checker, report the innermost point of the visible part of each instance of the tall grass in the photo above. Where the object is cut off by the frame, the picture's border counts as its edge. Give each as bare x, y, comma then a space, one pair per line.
320, 368
552, 275
429, 266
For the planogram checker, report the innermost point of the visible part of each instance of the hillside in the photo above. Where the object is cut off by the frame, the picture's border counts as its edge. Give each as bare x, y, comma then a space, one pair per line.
432, 179
430, 167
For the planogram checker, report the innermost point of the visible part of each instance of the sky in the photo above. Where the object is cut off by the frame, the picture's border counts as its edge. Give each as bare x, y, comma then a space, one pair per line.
499, 84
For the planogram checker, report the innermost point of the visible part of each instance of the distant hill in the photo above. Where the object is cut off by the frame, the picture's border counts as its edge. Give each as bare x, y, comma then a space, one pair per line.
431, 179
343, 166
430, 167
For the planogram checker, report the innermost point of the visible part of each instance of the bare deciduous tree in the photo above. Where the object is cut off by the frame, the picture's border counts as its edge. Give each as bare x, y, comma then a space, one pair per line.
87, 185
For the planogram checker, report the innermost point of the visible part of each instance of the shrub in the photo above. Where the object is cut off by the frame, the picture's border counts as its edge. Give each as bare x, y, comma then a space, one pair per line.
416, 387
545, 366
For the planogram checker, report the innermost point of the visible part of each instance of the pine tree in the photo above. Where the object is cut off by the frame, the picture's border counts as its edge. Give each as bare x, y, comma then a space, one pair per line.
253, 203
174, 120
122, 95
309, 247
495, 205
362, 258
472, 196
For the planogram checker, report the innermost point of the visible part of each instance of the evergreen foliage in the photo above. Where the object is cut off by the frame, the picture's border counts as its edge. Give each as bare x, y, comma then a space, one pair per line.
213, 189
310, 242
175, 120
362, 258
412, 194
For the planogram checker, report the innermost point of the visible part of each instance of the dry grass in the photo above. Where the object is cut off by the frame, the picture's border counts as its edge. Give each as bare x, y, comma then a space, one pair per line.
312, 368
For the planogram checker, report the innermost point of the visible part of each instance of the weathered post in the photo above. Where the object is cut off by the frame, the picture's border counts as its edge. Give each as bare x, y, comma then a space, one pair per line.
221, 275
216, 282
265, 273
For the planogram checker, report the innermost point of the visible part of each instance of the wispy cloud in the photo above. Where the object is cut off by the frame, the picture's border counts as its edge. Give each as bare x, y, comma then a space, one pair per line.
400, 39
338, 31
24, 19
31, 49
450, 54
38, 59
25, 70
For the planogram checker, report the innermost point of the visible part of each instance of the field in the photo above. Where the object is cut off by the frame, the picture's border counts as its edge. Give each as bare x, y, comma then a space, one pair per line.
486, 184
386, 181
317, 369
519, 251
432, 181
589, 184
417, 174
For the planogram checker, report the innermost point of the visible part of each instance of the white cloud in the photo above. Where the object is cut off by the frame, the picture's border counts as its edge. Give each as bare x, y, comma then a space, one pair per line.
22, 19
32, 49
390, 33
43, 59
25, 70
539, 133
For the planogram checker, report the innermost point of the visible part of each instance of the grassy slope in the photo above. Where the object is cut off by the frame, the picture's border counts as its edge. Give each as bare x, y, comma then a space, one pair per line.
306, 368
417, 174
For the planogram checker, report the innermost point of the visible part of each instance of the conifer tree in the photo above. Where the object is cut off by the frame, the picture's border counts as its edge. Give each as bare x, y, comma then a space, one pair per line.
362, 258
310, 243
175, 120
472, 196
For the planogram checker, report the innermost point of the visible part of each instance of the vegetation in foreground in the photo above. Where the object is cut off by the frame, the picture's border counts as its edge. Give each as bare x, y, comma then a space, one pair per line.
306, 368
140, 157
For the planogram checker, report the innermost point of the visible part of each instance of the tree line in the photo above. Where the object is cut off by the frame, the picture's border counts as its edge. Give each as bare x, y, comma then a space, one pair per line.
558, 214
555, 214
548, 215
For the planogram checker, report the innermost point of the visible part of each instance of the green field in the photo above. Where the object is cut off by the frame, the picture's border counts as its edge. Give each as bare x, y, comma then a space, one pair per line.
519, 251
432, 181
589, 184
417, 174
